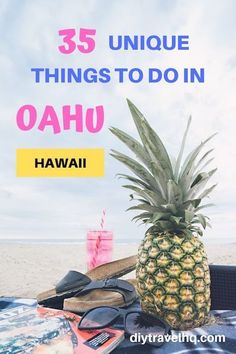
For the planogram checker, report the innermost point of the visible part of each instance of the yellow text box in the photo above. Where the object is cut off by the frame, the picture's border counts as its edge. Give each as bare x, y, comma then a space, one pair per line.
60, 162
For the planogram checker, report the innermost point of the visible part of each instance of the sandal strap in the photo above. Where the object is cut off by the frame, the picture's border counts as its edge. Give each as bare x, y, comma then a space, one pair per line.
72, 280
123, 287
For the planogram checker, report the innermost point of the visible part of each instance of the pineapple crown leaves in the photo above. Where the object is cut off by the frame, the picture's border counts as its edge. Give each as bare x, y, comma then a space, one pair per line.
169, 193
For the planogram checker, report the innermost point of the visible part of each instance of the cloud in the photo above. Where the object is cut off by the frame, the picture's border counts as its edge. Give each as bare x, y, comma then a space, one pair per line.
68, 207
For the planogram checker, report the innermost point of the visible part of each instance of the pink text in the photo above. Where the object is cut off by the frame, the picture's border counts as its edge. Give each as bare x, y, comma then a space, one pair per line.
91, 119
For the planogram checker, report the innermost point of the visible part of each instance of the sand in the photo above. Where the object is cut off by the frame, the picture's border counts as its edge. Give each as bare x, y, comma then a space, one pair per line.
27, 269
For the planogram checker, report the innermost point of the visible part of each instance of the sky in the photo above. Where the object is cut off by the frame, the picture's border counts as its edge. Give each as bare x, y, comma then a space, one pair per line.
42, 208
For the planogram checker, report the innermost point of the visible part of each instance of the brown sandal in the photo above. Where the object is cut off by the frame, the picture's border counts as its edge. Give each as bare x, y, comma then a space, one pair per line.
108, 292
74, 281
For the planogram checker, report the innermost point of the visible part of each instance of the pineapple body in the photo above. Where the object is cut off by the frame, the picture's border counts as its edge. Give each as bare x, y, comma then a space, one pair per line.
172, 272
173, 279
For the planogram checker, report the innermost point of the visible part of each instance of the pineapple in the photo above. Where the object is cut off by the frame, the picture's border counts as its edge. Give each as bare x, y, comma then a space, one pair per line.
172, 271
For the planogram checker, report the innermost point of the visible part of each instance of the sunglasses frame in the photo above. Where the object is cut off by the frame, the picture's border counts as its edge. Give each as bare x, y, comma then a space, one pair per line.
124, 313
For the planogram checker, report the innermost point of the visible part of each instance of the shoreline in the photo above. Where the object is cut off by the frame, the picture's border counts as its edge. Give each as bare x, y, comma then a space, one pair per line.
59, 241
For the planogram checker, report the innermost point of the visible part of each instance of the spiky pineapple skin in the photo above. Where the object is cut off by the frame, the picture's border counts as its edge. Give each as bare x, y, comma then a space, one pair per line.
173, 279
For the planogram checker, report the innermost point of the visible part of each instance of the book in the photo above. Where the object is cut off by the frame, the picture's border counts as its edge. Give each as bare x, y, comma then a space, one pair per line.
38, 330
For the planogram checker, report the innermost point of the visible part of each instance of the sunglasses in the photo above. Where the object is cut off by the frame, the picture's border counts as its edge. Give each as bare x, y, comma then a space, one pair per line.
135, 322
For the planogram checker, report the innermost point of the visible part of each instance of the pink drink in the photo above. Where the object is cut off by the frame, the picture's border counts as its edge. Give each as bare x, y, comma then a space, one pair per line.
99, 248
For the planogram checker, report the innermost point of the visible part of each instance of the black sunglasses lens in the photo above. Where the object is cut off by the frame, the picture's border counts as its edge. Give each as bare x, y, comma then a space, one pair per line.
98, 317
143, 323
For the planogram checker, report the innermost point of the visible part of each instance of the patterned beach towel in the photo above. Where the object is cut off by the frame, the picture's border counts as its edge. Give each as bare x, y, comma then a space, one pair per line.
201, 340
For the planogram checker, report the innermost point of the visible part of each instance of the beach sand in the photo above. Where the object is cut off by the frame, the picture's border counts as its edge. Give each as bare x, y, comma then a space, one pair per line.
27, 269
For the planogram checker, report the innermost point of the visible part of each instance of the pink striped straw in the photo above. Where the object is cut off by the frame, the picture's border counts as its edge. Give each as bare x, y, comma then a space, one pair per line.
103, 218
98, 241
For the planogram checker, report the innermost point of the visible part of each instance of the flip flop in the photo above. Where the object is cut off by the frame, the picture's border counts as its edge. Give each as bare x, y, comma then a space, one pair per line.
108, 292
75, 281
